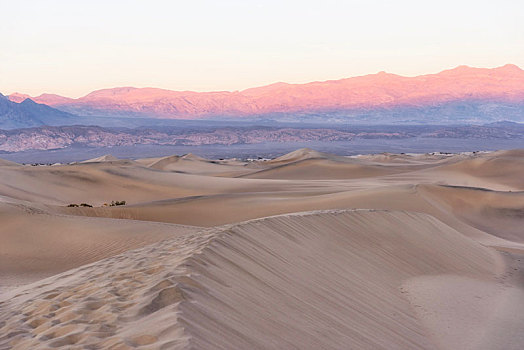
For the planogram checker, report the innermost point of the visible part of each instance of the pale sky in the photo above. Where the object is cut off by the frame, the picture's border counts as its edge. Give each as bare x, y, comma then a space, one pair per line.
73, 47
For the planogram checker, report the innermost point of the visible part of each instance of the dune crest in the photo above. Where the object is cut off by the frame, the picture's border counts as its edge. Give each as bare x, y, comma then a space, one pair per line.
308, 280
104, 158
162, 163
191, 156
300, 154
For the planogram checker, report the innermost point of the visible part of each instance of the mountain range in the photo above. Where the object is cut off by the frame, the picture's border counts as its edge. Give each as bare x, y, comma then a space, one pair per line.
28, 113
460, 95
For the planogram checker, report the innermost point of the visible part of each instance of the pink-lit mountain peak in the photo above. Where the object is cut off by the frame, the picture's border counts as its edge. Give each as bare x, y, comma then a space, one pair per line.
49, 99
510, 68
54, 99
136, 95
121, 93
506, 71
18, 97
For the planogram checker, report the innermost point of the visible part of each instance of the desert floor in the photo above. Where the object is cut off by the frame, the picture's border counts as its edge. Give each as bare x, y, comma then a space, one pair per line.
305, 251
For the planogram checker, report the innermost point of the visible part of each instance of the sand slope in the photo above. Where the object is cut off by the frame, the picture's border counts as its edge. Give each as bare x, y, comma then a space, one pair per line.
309, 281
191, 164
37, 244
318, 169
302, 154
498, 213
4, 162
503, 167
307, 164
475, 213
98, 183
104, 158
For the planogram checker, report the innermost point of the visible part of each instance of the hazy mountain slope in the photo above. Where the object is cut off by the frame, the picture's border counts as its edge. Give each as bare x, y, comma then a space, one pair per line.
29, 114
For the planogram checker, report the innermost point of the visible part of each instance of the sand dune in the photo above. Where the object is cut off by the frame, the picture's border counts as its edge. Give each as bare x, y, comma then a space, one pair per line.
414, 159
482, 215
321, 169
191, 156
318, 280
37, 244
271, 197
302, 154
161, 163
4, 162
504, 167
98, 183
388, 157
407, 252
307, 164
497, 213
191, 164
104, 158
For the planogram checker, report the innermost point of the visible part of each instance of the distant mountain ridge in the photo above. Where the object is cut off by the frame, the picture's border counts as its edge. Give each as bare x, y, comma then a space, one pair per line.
459, 93
78, 136
28, 113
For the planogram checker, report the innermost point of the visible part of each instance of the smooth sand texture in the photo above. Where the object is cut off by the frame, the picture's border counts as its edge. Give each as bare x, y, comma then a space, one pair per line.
406, 252
36, 244
466, 313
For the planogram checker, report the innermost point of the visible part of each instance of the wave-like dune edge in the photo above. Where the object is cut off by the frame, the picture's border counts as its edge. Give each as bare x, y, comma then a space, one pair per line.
326, 279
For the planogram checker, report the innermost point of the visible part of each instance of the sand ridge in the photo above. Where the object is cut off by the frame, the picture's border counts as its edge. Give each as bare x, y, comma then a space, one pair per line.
305, 280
